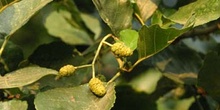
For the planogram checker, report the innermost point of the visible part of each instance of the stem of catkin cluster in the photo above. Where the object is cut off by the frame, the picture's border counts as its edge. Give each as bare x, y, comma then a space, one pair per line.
107, 43
97, 53
83, 66
113, 78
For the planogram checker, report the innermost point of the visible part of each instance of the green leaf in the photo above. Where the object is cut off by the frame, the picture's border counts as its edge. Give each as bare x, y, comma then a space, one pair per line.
75, 98
68, 33
154, 39
13, 105
24, 76
129, 37
209, 75
146, 81
157, 18
16, 15
92, 23
204, 10
117, 14
145, 8
74, 80
175, 104
179, 63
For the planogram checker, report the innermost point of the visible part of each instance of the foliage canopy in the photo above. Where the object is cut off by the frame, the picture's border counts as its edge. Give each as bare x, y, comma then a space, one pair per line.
172, 62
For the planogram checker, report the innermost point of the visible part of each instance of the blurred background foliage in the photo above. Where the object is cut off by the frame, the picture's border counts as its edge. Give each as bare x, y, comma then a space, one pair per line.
68, 32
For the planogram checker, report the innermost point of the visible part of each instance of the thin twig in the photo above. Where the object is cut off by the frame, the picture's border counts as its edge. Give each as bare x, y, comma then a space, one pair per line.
4, 44
83, 66
107, 43
113, 78
97, 53
139, 19
1, 52
204, 31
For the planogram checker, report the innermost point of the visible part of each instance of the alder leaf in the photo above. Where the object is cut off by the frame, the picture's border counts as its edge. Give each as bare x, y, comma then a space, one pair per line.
13, 105
24, 76
16, 15
68, 33
75, 98
155, 38
117, 14
145, 8
204, 10
129, 37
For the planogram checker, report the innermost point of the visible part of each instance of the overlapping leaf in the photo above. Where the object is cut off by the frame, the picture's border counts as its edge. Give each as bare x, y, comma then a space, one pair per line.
154, 38
16, 15
145, 8
76, 98
129, 37
117, 14
68, 33
204, 10
14, 105
24, 76
146, 81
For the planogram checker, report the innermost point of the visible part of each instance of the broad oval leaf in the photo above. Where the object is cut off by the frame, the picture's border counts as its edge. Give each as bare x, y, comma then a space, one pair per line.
154, 39
146, 81
16, 15
92, 23
204, 10
129, 37
14, 105
68, 33
24, 76
75, 98
117, 14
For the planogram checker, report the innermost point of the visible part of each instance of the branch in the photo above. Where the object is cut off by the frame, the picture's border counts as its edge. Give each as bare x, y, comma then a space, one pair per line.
198, 31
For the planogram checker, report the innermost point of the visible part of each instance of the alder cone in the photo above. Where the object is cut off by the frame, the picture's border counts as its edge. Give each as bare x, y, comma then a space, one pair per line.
97, 87
67, 70
121, 50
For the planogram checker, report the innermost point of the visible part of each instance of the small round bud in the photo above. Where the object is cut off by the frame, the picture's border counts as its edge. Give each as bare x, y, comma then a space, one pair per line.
121, 50
67, 70
97, 87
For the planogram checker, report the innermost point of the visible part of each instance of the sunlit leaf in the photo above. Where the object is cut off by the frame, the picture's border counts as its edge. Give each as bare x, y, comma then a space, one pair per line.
145, 8
117, 14
16, 15
13, 105
24, 76
175, 104
157, 18
129, 37
68, 33
146, 81
204, 10
75, 98
92, 23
